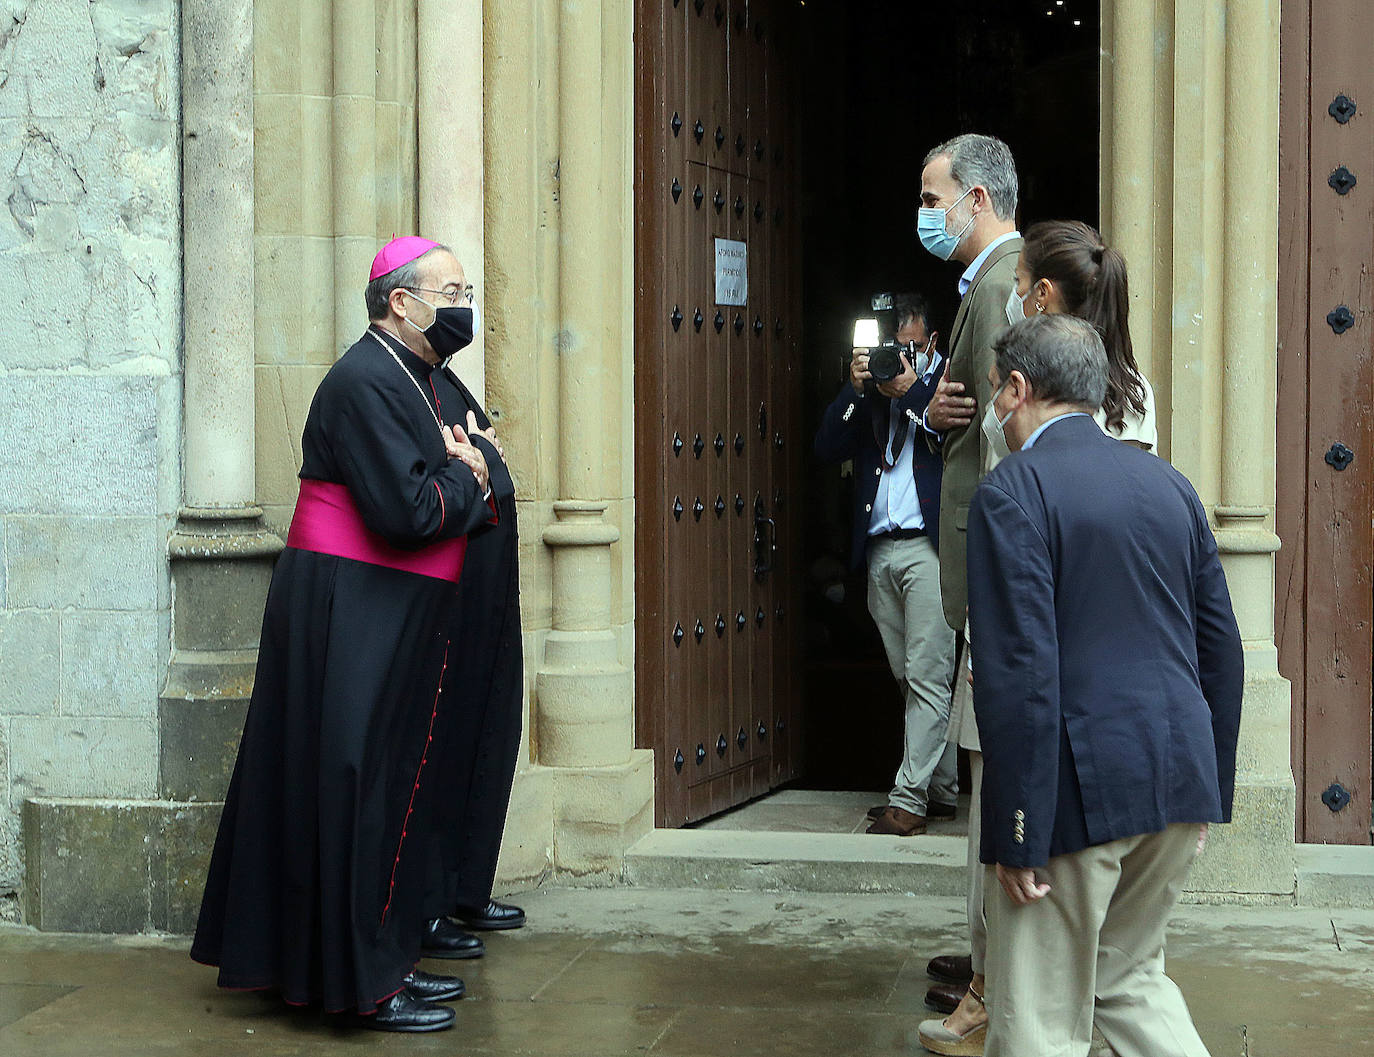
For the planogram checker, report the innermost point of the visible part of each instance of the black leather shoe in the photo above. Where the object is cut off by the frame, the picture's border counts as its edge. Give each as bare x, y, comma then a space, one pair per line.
951, 969
441, 938
935, 809
945, 998
404, 1012
434, 988
492, 917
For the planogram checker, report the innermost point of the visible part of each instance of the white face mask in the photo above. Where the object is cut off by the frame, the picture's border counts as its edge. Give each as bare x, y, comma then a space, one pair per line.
994, 429
1016, 307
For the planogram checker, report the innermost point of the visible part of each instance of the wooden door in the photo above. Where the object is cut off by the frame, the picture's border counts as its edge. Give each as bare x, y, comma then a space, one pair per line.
1325, 396
716, 540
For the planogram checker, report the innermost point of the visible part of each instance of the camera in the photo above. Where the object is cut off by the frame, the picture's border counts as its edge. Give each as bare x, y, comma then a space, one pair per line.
878, 334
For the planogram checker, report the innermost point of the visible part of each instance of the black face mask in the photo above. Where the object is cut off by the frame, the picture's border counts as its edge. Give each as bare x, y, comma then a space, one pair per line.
451, 330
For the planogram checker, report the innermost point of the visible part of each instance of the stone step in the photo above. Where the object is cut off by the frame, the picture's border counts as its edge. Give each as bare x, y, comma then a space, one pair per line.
1335, 875
740, 860
933, 864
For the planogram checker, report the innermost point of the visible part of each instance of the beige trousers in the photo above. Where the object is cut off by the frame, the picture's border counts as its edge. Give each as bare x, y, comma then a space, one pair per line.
1093, 947
904, 600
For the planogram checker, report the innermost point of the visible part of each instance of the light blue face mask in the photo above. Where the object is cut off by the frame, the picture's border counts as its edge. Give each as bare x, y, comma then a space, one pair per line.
930, 228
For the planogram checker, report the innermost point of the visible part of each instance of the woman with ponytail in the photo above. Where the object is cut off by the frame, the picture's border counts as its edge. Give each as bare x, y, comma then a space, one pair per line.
1065, 267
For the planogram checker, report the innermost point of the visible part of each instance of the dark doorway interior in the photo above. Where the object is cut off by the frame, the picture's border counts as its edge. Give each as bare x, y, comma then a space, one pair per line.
884, 81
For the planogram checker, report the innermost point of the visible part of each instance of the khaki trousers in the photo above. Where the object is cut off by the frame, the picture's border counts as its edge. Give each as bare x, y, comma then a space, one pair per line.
1094, 946
904, 600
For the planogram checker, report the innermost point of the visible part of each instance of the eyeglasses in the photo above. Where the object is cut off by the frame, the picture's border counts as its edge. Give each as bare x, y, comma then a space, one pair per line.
452, 294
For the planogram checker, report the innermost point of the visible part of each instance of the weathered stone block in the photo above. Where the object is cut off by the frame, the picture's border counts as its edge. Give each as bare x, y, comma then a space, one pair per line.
599, 812
115, 866
585, 712
11, 847
1253, 856
91, 56
111, 662
527, 844
277, 48
277, 141
138, 47
198, 746
29, 670
283, 400
220, 602
69, 478
188, 832
91, 252
87, 869
317, 224
298, 329
82, 756
86, 562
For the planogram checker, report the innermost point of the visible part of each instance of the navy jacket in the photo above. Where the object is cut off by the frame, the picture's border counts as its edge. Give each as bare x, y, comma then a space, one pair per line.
1107, 661
847, 431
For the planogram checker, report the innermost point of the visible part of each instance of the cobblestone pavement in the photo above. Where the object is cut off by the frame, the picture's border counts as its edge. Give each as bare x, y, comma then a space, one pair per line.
686, 974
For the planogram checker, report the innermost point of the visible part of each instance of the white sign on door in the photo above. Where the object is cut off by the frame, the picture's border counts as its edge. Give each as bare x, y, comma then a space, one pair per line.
732, 272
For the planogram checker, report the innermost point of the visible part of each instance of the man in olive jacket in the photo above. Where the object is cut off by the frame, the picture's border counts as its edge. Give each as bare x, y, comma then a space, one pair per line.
968, 214
972, 181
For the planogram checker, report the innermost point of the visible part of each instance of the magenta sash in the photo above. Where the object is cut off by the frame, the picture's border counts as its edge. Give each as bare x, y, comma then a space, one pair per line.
327, 521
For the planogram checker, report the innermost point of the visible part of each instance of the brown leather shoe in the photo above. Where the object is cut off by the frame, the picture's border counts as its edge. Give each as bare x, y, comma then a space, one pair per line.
876, 811
945, 998
898, 822
951, 969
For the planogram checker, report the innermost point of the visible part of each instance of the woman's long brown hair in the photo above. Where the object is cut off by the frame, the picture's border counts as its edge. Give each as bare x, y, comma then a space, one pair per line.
1091, 278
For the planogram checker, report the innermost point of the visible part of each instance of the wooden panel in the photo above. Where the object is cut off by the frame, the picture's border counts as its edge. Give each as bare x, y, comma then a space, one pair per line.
1340, 504
711, 697
1338, 542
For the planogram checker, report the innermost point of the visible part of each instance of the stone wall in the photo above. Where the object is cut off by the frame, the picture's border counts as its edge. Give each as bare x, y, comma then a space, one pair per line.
89, 395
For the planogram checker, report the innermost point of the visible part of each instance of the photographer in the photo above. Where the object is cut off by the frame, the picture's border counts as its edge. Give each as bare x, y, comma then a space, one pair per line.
876, 421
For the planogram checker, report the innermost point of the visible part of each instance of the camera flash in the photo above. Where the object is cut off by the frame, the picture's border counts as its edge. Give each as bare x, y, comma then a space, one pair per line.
866, 334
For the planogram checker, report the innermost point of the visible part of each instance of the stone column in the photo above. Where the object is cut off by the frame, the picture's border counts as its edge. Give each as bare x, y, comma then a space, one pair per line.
585, 695
1128, 148
1259, 847
449, 79
220, 553
1191, 196
355, 163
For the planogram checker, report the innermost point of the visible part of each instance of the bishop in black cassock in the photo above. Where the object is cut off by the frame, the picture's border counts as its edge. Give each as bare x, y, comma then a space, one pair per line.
315, 888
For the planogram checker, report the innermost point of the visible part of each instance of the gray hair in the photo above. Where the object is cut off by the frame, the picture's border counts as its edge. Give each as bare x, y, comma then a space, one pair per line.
1060, 355
978, 160
378, 292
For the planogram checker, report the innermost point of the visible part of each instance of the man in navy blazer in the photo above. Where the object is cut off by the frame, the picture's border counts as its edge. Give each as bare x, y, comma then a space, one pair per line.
1108, 681
896, 521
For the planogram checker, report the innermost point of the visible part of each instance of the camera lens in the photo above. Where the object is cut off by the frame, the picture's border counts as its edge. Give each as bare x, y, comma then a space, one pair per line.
884, 363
